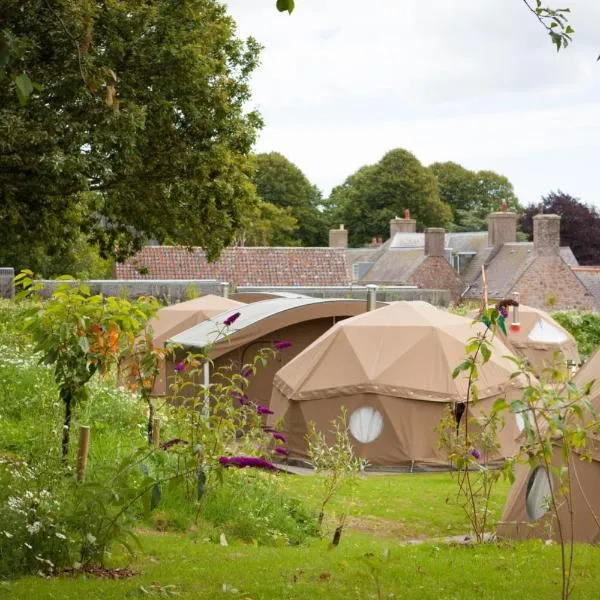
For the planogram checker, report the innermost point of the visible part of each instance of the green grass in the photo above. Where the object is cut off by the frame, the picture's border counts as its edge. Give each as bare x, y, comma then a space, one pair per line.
404, 506
199, 569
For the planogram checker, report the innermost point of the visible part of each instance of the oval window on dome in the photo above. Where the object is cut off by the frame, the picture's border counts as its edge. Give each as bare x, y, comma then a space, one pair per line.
537, 498
366, 424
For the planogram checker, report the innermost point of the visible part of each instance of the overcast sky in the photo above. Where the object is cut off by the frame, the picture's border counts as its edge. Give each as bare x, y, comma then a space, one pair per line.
473, 81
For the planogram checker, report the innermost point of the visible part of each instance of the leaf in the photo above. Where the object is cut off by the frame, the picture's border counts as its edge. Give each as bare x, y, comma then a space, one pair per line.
502, 325
24, 88
486, 353
285, 5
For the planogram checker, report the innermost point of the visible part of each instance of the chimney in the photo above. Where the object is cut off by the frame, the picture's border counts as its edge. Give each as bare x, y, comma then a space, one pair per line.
546, 234
502, 227
406, 225
435, 241
338, 238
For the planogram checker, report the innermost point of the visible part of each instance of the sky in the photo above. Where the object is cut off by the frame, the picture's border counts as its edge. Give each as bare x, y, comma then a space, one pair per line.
476, 82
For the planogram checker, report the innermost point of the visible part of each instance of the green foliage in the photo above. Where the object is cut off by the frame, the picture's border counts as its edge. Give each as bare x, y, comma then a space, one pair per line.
555, 21
335, 464
281, 183
129, 133
79, 334
584, 327
252, 506
367, 201
268, 225
473, 195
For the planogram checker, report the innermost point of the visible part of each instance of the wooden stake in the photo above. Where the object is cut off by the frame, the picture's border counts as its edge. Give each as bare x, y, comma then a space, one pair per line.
156, 432
82, 451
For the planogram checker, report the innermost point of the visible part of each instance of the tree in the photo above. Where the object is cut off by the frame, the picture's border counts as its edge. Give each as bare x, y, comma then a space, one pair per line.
268, 225
473, 194
579, 224
375, 194
283, 184
136, 127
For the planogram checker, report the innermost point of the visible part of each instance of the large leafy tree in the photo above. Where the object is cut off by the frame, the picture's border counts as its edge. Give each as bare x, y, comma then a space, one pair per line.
135, 127
268, 225
283, 184
579, 224
473, 194
369, 198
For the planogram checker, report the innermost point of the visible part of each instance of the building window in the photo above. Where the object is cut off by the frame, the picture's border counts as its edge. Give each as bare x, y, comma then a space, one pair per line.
366, 424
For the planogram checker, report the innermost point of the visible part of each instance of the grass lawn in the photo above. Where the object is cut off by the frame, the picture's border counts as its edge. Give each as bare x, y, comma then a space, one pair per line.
191, 567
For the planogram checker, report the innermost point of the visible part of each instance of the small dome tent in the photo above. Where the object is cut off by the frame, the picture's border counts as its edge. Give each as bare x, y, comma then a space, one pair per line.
392, 370
526, 513
176, 318
537, 337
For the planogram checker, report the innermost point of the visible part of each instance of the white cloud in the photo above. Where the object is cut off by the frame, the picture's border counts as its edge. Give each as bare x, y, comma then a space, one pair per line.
473, 81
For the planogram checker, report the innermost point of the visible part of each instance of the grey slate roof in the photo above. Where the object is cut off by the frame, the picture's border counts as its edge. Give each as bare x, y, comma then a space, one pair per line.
505, 267
590, 277
395, 266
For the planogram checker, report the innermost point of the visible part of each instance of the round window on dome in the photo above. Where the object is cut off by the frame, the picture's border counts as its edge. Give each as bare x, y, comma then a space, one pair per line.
537, 498
366, 424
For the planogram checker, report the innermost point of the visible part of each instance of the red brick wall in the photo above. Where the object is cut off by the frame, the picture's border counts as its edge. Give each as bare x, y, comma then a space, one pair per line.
435, 273
549, 283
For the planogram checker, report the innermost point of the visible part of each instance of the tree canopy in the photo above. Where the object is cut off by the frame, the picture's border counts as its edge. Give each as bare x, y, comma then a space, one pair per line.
135, 127
472, 195
367, 201
579, 224
281, 183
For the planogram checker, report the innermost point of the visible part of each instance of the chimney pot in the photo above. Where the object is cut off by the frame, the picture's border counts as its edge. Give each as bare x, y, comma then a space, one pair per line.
435, 241
546, 234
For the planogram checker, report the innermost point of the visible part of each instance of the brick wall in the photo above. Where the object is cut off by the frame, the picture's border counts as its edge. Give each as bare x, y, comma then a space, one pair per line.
435, 272
549, 283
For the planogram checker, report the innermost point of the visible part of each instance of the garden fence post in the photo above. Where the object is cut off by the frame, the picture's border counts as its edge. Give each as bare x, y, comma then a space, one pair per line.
156, 432
82, 452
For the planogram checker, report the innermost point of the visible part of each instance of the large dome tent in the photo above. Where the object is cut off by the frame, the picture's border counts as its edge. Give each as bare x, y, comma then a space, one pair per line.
392, 370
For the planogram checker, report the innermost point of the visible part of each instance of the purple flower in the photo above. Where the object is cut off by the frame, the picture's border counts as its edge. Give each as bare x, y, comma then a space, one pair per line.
503, 311
475, 453
282, 345
231, 319
242, 398
242, 462
170, 443
261, 409
268, 429
180, 367
279, 436
281, 450
247, 372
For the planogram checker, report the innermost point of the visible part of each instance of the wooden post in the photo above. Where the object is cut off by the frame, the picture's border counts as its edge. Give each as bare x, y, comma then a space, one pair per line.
156, 432
82, 452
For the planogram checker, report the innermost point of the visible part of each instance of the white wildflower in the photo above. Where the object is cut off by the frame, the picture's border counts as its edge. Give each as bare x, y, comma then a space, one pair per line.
34, 527
7, 534
61, 536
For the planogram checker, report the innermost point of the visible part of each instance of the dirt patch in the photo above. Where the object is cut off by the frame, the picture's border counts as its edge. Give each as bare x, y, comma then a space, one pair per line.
100, 572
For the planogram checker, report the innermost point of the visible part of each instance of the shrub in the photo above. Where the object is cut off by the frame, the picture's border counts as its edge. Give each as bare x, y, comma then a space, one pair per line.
583, 326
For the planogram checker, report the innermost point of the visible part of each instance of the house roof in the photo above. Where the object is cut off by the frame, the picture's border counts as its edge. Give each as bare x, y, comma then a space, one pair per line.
395, 265
241, 266
506, 266
590, 277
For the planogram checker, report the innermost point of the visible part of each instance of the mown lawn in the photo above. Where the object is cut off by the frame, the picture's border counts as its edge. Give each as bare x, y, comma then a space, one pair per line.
191, 567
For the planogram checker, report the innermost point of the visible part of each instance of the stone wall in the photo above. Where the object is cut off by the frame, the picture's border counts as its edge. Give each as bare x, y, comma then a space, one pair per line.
435, 272
167, 291
385, 293
7, 287
550, 284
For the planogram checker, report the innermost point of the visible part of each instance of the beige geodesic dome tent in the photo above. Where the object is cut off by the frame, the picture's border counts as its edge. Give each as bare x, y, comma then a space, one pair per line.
526, 513
173, 319
392, 370
538, 337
